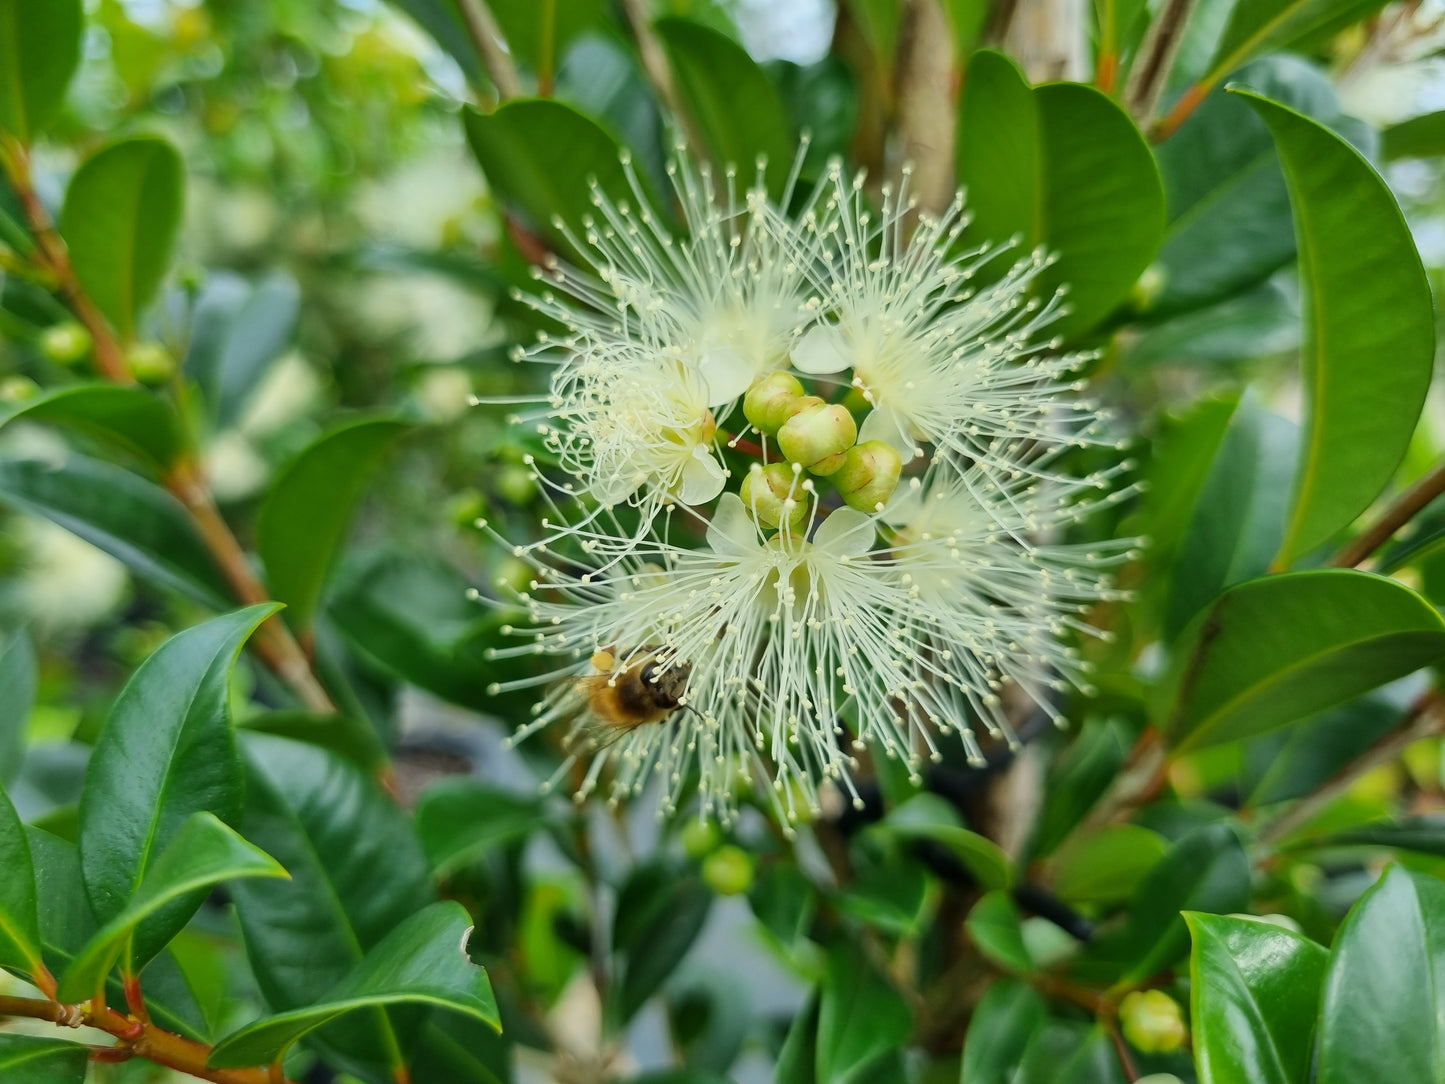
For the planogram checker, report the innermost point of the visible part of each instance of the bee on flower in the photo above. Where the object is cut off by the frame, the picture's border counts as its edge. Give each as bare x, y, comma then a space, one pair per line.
846, 460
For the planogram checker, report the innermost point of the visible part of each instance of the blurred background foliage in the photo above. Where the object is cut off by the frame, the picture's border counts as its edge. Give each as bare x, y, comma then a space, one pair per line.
341, 286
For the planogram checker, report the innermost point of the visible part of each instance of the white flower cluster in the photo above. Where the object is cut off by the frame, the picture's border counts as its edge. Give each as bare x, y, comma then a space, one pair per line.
805, 493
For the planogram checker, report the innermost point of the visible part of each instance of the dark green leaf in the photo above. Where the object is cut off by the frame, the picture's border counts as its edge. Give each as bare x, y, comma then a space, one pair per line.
134, 419
1107, 865
1000, 1030
1261, 25
1280, 648
113, 509
660, 912
459, 820
541, 156
39, 52
1064, 167
27, 1059
304, 520
17, 698
121, 218
1077, 779
1423, 834
203, 853
442, 19
1067, 1052
1291, 763
927, 816
355, 740
1253, 992
994, 926
709, 1015
19, 918
424, 960
736, 108
333, 829
1384, 992
1207, 870
860, 1016
1369, 342
1258, 324
1418, 137
1238, 520
167, 752
238, 329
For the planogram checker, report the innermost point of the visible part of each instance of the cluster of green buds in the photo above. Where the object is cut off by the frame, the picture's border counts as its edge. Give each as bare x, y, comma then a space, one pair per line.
819, 437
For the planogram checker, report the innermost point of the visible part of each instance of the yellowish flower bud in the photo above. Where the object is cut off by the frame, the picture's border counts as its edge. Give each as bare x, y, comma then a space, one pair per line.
818, 437
869, 475
728, 871
65, 343
150, 363
1152, 1022
767, 403
775, 495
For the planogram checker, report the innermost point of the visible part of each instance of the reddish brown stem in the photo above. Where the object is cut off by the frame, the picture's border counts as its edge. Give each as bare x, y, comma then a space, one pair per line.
1188, 102
1405, 507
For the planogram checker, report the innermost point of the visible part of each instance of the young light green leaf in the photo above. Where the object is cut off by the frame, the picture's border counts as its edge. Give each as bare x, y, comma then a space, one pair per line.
120, 512
1386, 977
303, 522
39, 52
994, 925
1254, 988
1064, 167
860, 1017
1000, 1030
1280, 648
422, 961
30, 1059
121, 218
19, 917
167, 752
735, 106
1369, 337
202, 853
130, 418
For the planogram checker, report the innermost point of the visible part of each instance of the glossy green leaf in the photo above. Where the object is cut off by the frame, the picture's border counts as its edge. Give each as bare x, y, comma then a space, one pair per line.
423, 961
1254, 988
1077, 779
19, 918
39, 52
660, 912
167, 752
17, 697
121, 218
238, 329
1369, 342
1108, 865
1280, 648
355, 740
1229, 213
927, 816
202, 853
121, 513
994, 925
1261, 25
735, 106
29, 1059
1007, 1017
541, 156
134, 419
1418, 137
1064, 167
1423, 834
1238, 519
332, 828
1386, 977
460, 820
1206, 870
303, 523
860, 1017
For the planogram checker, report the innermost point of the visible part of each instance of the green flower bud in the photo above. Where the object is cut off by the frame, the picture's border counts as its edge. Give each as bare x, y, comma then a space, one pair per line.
728, 871
775, 495
1152, 1022
17, 389
869, 475
818, 437
700, 838
65, 343
766, 404
150, 363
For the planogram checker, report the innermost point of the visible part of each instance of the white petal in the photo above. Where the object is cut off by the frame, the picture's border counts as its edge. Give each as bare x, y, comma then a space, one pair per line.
883, 423
905, 504
845, 533
726, 372
702, 477
821, 350
732, 532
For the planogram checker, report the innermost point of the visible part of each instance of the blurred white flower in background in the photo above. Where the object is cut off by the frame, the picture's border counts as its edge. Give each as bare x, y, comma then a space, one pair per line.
66, 583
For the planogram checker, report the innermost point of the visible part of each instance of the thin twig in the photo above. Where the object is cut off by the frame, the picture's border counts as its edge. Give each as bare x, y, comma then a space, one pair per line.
1425, 719
1401, 511
487, 36
1156, 58
659, 72
925, 103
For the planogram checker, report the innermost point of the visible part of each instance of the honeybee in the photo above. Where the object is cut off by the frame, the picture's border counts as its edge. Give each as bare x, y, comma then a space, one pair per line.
648, 690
